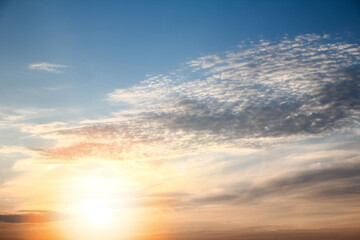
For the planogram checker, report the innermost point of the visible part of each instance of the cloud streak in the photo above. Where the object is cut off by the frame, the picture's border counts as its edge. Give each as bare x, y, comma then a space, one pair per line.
339, 181
33, 216
47, 67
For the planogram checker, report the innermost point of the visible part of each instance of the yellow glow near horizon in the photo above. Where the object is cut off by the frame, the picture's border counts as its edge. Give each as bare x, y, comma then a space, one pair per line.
99, 199
101, 206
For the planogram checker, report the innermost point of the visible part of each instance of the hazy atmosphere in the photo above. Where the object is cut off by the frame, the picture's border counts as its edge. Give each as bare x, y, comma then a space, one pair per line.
161, 120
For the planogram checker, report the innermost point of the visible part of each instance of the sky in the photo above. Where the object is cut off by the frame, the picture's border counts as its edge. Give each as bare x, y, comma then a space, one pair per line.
179, 120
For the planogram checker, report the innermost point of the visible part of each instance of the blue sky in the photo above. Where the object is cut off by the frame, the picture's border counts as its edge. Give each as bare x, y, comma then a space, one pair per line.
116, 43
188, 119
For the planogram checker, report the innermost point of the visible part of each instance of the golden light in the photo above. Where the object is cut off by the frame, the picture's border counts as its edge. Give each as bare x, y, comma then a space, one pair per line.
98, 211
101, 200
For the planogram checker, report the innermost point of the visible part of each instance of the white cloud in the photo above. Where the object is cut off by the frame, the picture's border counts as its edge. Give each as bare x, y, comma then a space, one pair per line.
302, 86
12, 114
261, 94
47, 67
264, 93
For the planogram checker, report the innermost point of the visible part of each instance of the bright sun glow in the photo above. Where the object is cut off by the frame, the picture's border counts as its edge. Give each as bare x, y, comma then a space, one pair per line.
100, 205
98, 211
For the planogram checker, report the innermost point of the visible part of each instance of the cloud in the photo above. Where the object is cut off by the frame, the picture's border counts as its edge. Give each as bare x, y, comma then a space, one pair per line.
33, 216
258, 233
259, 94
9, 115
262, 93
84, 150
57, 88
338, 181
47, 67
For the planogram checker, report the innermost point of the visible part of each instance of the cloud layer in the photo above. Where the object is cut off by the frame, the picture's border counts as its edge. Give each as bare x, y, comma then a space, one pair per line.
338, 181
308, 85
265, 92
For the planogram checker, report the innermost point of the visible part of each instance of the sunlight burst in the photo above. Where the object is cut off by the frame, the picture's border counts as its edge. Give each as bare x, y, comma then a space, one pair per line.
98, 211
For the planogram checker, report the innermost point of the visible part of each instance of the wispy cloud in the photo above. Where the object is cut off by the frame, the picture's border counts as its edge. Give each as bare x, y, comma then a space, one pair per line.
33, 216
338, 181
11, 115
57, 88
47, 67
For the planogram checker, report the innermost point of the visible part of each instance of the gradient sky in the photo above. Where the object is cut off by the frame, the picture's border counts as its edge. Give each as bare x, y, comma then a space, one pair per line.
179, 120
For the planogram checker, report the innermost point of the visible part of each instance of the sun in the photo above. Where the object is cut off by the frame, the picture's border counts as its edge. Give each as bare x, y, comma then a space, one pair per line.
97, 211
100, 203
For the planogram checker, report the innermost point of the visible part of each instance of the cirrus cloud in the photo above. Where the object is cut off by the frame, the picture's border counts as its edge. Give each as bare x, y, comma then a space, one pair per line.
47, 67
